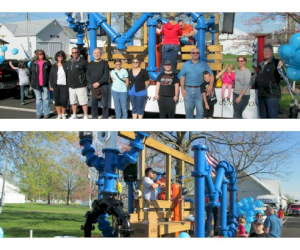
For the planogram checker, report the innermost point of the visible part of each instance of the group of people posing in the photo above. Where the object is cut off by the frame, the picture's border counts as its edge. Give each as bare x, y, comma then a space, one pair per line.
71, 81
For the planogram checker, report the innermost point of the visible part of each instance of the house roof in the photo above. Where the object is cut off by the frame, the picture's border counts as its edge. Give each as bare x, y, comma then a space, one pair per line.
3, 41
34, 27
72, 32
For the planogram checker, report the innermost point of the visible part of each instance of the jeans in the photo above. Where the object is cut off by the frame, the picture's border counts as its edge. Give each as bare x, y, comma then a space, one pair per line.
193, 99
42, 101
239, 108
22, 94
268, 107
138, 104
169, 52
104, 103
120, 102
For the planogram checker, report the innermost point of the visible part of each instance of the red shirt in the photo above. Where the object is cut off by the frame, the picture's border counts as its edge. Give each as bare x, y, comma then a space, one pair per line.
171, 33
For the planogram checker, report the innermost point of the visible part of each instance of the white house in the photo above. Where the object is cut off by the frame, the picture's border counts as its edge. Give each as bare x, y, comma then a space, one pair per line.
253, 187
11, 193
47, 35
236, 43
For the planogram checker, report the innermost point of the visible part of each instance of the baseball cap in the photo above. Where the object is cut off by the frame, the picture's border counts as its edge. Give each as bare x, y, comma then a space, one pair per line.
167, 62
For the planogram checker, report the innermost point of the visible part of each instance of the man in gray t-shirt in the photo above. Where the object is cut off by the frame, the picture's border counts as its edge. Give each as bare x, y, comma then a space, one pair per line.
150, 192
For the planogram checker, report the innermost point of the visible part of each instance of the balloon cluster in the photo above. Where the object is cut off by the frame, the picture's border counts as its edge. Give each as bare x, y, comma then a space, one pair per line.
249, 208
290, 54
4, 49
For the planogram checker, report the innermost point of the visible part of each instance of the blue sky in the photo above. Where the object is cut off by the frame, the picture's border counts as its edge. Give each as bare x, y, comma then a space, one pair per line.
60, 16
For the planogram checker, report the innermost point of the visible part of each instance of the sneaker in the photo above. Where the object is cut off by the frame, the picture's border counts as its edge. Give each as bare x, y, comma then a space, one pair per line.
38, 117
63, 116
22, 103
73, 117
59, 117
46, 116
85, 117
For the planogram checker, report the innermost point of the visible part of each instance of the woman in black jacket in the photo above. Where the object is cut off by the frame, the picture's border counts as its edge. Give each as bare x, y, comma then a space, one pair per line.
58, 84
39, 81
138, 83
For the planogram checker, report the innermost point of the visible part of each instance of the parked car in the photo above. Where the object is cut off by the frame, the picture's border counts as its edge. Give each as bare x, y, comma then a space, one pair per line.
9, 79
294, 209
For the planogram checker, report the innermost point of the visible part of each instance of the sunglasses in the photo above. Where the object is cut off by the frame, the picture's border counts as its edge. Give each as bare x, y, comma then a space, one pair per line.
241, 61
135, 62
197, 53
74, 52
59, 56
40, 54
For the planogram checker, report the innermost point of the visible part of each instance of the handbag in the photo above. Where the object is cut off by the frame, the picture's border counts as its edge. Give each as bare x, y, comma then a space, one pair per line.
98, 93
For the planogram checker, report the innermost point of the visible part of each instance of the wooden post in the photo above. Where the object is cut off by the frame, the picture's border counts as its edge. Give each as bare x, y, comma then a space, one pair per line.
108, 38
217, 42
181, 172
145, 33
168, 176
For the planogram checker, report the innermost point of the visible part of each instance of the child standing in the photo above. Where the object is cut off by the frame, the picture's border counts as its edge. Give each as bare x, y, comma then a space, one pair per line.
228, 77
241, 228
208, 101
23, 74
258, 230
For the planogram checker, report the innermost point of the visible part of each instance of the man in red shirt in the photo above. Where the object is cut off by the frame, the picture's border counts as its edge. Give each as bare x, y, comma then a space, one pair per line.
187, 37
280, 214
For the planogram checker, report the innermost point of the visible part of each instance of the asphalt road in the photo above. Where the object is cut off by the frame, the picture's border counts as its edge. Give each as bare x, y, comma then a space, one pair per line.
291, 227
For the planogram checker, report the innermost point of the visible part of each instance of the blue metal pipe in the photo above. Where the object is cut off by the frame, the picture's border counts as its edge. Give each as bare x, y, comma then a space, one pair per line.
136, 26
130, 197
131, 156
199, 174
92, 27
151, 47
201, 28
110, 176
224, 206
88, 151
104, 226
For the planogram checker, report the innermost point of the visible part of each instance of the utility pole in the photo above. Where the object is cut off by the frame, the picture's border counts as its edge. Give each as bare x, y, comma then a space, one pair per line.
3, 185
28, 43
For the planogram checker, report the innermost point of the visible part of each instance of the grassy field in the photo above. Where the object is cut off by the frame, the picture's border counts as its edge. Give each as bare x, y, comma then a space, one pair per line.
45, 220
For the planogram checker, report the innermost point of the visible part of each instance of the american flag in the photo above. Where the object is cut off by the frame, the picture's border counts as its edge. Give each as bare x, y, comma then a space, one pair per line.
212, 161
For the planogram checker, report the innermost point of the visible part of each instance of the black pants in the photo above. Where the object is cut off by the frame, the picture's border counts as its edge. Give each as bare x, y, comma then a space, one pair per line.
239, 108
167, 107
61, 96
104, 103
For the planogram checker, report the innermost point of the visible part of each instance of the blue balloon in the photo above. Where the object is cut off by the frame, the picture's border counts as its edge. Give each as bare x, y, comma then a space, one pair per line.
293, 74
4, 48
249, 219
244, 201
2, 59
249, 213
28, 64
286, 51
250, 200
184, 235
295, 40
292, 63
245, 207
239, 205
15, 51
297, 56
252, 206
241, 212
257, 203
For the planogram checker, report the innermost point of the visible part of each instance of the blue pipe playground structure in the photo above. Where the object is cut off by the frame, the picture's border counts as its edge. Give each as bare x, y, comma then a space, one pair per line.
96, 20
107, 202
225, 175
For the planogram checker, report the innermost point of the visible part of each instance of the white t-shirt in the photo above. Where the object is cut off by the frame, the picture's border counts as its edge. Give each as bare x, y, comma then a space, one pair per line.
23, 76
61, 76
149, 193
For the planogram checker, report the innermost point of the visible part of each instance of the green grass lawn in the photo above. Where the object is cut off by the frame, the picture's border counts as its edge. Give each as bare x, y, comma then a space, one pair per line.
45, 220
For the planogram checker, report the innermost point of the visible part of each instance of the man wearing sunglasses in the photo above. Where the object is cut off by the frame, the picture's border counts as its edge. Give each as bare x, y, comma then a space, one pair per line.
191, 78
77, 83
